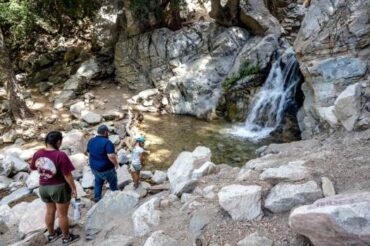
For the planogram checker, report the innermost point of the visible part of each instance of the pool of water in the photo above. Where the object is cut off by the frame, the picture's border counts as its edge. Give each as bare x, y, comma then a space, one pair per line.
168, 135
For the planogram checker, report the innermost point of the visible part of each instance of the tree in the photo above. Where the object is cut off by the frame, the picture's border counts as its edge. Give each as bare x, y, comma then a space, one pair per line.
17, 103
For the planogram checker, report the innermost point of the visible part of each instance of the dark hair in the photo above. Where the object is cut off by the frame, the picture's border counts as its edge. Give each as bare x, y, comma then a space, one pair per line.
53, 138
102, 129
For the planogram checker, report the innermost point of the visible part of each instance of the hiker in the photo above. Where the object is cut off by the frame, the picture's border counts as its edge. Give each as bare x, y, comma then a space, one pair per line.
137, 160
56, 186
103, 161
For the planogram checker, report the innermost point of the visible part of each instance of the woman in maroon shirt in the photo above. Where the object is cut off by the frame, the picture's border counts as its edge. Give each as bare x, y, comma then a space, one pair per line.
56, 186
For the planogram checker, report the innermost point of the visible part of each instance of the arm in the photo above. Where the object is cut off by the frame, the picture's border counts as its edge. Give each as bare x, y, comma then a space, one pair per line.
71, 184
114, 160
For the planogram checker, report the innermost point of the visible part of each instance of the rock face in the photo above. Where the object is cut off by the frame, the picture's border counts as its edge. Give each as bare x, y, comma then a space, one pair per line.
159, 177
189, 64
241, 202
113, 206
251, 14
332, 62
284, 196
334, 221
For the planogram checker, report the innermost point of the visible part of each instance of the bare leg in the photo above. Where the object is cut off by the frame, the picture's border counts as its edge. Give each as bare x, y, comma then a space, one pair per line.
63, 218
136, 178
50, 217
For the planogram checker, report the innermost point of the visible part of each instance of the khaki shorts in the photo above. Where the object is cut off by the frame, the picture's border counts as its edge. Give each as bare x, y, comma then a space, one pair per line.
60, 193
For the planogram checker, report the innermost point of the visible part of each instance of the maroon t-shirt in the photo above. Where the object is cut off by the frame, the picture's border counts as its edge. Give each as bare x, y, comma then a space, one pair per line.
52, 166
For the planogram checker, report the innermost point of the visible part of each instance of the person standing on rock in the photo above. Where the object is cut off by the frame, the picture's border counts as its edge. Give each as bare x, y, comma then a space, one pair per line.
137, 160
103, 161
57, 186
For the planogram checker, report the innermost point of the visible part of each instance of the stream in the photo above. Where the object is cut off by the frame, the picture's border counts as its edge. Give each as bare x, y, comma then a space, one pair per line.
168, 135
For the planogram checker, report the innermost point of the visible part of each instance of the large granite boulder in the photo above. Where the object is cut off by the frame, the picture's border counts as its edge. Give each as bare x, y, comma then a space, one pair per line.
180, 174
33, 218
146, 217
74, 142
284, 196
159, 238
335, 221
331, 61
112, 208
241, 202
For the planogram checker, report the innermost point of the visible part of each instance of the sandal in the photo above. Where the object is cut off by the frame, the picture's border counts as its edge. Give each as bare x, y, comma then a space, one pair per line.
71, 238
55, 236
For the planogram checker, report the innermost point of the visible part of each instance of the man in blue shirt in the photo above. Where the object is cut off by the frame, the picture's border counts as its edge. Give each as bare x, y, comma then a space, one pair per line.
103, 161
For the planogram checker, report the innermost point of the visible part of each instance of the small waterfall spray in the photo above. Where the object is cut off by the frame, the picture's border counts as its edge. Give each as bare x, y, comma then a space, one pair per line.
272, 100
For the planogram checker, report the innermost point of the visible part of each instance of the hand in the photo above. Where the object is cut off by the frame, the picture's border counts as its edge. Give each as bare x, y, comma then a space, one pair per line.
74, 193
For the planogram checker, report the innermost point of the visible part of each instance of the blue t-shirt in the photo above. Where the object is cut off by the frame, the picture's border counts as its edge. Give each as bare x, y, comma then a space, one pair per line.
98, 148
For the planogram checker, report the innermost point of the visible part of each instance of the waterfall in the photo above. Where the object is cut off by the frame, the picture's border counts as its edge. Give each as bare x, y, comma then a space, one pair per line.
272, 100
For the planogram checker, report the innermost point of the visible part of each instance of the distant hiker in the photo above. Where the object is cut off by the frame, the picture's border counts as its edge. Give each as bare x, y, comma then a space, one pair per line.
137, 160
56, 186
103, 161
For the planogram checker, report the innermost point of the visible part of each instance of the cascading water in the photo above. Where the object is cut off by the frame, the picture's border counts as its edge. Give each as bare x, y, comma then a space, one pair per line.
272, 100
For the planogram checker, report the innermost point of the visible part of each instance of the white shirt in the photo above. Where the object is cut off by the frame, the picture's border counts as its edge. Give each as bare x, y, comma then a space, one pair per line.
135, 156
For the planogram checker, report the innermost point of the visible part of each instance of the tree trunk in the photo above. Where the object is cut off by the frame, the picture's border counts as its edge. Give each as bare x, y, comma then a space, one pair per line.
17, 103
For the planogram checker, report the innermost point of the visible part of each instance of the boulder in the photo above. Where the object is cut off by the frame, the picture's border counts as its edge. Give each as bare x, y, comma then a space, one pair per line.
79, 161
35, 239
337, 220
327, 187
159, 177
33, 218
244, 174
88, 178
241, 202
146, 174
347, 106
33, 180
4, 182
209, 192
141, 190
20, 177
8, 215
74, 142
289, 172
202, 155
146, 217
198, 221
159, 238
3, 227
91, 117
115, 139
9, 137
284, 196
17, 164
80, 190
77, 108
206, 169
15, 196
255, 239
180, 174
63, 98
88, 69
113, 207
123, 176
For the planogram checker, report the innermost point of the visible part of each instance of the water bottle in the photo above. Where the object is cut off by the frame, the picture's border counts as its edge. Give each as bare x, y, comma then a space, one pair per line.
76, 209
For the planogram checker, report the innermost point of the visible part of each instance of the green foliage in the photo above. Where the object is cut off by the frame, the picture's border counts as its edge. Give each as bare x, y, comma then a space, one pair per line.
19, 19
246, 69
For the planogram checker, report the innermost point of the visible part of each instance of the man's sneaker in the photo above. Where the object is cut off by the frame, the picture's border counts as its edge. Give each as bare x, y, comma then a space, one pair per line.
57, 234
70, 239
